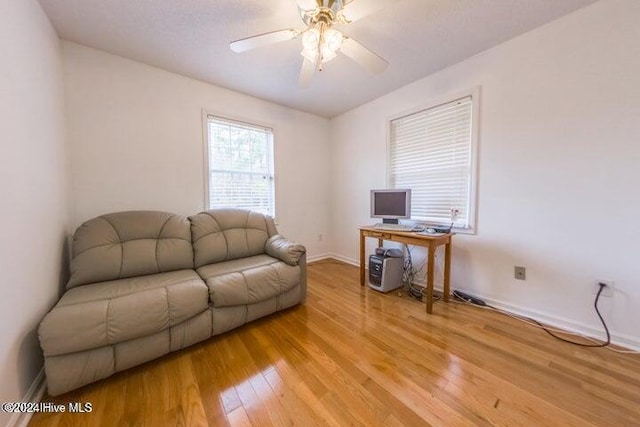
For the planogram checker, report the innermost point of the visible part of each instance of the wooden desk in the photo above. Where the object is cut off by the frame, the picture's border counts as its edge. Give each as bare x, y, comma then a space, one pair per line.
410, 238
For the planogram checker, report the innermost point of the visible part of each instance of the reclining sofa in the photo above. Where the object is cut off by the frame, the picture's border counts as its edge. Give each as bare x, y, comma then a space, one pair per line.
146, 283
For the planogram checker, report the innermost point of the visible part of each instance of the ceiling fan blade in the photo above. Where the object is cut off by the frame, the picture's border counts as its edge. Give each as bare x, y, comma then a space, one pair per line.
360, 8
306, 73
260, 40
363, 56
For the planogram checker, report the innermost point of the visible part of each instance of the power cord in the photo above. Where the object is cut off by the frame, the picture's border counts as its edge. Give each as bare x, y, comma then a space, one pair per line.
417, 292
604, 324
596, 344
408, 275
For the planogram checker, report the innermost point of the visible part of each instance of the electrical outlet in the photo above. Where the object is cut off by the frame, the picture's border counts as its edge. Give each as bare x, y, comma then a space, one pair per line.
607, 291
519, 272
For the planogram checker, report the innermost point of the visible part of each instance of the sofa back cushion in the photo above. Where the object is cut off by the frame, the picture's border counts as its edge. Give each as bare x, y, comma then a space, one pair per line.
128, 244
225, 234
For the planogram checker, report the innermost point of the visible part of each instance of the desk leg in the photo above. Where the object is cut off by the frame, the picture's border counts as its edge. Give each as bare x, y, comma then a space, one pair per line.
430, 264
447, 271
361, 259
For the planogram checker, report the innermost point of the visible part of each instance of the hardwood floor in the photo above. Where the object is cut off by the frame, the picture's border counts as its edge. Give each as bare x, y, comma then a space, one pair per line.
351, 356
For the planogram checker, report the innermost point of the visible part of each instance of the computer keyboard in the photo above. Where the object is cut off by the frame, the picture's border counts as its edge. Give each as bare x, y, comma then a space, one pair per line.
398, 227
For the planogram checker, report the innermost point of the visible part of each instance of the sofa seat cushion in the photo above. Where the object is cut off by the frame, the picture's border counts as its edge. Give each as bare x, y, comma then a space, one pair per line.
248, 280
106, 313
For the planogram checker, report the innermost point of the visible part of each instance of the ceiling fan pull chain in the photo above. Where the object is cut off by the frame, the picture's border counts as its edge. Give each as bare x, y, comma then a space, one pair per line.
321, 42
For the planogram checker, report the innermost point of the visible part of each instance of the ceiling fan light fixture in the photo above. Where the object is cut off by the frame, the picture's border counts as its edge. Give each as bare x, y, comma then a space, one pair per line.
332, 39
311, 39
325, 41
327, 55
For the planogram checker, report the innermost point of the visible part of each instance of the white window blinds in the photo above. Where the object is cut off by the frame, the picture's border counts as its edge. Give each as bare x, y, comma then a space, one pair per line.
240, 164
431, 153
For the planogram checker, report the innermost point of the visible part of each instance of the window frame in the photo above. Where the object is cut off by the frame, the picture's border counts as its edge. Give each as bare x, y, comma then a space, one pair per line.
474, 93
206, 114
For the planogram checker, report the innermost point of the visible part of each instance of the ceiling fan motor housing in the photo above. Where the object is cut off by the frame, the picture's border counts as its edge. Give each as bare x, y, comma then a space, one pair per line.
326, 12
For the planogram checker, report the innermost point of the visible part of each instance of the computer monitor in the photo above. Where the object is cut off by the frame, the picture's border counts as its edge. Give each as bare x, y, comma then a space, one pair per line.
391, 205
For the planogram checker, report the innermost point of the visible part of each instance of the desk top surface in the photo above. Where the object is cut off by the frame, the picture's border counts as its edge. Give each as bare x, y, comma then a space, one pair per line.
376, 232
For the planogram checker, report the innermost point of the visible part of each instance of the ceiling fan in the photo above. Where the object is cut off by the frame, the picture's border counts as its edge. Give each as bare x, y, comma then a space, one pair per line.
321, 41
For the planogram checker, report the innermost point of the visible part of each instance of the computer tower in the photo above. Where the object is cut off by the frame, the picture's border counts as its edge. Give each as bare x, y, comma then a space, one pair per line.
385, 272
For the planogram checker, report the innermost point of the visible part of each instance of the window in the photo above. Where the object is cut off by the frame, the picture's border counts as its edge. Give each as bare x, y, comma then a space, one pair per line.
240, 166
432, 152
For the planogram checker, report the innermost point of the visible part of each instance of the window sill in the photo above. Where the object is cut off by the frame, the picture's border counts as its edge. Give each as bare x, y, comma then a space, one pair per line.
469, 231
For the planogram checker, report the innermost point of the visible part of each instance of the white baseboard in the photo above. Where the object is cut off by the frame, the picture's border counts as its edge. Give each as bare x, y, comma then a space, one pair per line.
314, 258
333, 256
345, 259
34, 394
627, 341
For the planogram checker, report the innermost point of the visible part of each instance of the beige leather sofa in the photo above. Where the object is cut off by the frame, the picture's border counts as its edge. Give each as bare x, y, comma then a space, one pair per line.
146, 283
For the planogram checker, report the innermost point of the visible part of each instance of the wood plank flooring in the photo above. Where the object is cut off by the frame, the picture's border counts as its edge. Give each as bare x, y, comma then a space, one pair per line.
352, 356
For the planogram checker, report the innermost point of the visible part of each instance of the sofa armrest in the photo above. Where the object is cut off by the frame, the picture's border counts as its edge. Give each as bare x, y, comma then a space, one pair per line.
285, 250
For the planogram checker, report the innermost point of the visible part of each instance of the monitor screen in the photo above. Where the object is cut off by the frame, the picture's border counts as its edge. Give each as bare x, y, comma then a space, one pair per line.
391, 204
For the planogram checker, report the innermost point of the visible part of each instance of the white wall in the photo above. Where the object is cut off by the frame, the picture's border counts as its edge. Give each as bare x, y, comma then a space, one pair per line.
136, 138
559, 166
33, 189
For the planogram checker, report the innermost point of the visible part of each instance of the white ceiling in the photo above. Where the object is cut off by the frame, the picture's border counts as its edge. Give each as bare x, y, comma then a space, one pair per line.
191, 38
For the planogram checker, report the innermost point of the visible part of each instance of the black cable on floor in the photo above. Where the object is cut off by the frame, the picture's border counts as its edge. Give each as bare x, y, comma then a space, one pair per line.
595, 305
604, 324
